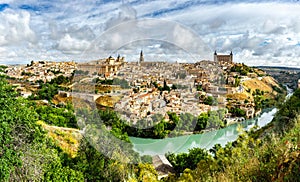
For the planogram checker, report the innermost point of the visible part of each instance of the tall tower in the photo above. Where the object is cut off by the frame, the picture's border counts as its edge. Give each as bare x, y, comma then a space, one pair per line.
215, 56
141, 57
231, 57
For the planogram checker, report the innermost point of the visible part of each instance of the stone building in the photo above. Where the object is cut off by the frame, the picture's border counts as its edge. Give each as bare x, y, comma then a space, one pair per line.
223, 58
108, 66
111, 65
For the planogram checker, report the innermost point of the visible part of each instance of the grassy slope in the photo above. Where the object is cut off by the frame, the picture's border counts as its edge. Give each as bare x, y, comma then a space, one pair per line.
264, 85
68, 139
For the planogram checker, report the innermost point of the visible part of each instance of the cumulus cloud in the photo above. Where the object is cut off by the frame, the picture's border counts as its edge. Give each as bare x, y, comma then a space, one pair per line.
273, 28
125, 13
72, 45
81, 32
71, 39
15, 28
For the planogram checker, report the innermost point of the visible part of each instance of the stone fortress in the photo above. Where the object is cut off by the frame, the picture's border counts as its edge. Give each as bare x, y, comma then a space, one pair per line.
223, 58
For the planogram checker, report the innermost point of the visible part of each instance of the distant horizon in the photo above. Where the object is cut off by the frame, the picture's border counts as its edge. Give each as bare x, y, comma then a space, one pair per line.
258, 66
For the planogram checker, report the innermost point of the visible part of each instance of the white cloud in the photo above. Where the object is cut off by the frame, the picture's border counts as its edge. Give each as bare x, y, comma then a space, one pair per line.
125, 13
15, 28
72, 45
7, 1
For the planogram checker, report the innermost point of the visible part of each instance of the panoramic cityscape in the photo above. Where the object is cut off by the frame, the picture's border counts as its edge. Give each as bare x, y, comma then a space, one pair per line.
149, 91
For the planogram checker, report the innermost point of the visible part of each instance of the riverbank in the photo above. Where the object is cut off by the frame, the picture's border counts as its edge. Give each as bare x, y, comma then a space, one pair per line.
205, 140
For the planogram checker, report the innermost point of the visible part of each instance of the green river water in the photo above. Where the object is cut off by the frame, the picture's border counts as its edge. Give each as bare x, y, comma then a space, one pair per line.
206, 140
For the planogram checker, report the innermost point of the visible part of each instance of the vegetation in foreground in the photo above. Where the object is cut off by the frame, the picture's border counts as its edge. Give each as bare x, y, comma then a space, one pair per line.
269, 154
28, 154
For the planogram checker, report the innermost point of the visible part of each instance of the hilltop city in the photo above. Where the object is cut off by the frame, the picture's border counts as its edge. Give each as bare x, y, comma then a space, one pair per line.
145, 88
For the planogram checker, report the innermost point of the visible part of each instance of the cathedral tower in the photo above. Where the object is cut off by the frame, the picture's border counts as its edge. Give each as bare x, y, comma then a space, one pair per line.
141, 57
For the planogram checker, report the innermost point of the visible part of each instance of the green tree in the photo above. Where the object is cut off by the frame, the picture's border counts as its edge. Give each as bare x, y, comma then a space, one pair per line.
174, 87
187, 160
210, 100
199, 88
159, 130
46, 91
173, 117
202, 122
147, 173
165, 87
63, 117
237, 82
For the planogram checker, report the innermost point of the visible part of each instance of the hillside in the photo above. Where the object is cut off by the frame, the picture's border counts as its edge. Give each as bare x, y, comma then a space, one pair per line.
107, 101
59, 99
261, 93
68, 139
266, 84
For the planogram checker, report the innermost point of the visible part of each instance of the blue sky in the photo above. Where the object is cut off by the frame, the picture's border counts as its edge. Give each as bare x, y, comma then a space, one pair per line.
258, 32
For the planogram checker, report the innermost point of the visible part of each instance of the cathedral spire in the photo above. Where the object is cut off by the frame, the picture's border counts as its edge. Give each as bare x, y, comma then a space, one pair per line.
141, 57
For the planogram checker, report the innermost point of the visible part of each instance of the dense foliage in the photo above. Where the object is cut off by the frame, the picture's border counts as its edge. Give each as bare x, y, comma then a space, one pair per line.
287, 112
242, 69
9, 122
61, 80
26, 154
237, 112
59, 116
2, 68
187, 160
48, 90
210, 100
45, 92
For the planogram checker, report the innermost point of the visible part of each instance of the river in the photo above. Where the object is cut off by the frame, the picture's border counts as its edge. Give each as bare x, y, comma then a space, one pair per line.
207, 140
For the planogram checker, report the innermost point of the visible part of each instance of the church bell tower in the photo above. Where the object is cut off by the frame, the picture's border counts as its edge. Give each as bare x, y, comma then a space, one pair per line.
141, 57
